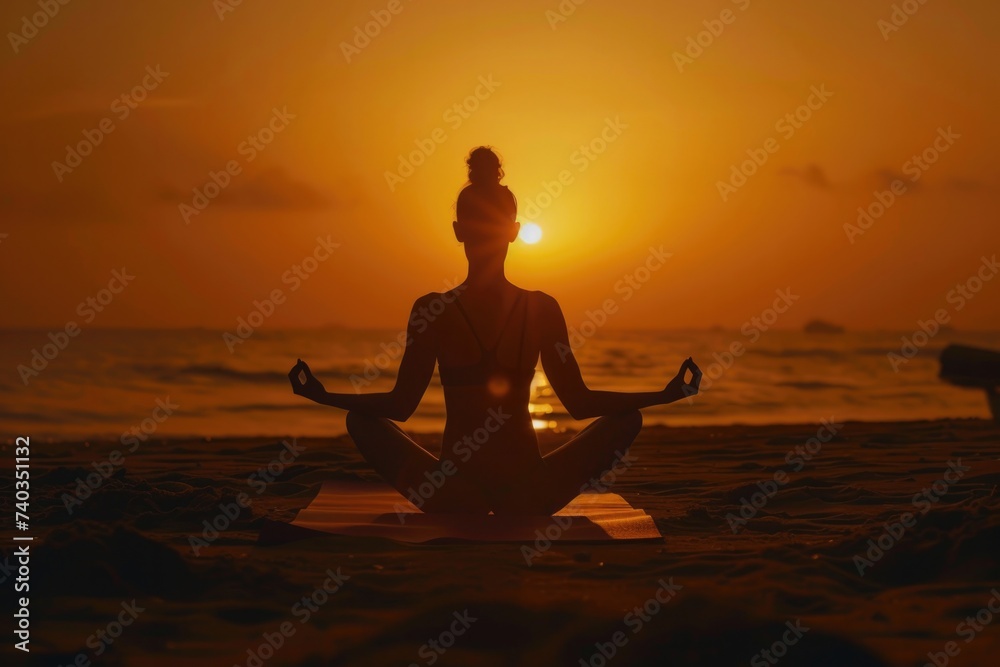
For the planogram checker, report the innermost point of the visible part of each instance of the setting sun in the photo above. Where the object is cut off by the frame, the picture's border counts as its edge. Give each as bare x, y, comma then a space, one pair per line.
530, 233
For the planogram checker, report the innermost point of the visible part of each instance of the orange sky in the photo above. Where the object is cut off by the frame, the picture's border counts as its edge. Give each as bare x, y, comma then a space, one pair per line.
609, 67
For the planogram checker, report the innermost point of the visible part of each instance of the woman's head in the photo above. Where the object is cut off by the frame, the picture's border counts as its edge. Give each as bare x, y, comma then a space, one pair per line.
486, 210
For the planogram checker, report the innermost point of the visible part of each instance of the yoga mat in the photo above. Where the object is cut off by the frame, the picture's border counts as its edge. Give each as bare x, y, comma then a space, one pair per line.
367, 509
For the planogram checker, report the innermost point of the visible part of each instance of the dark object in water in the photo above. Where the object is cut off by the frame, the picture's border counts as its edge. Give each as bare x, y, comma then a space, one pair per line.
821, 327
973, 367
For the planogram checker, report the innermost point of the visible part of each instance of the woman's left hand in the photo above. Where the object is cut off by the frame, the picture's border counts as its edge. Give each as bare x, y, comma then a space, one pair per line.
311, 388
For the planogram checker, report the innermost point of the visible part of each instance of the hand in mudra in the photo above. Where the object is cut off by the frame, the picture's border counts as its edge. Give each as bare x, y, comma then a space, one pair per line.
679, 387
304, 383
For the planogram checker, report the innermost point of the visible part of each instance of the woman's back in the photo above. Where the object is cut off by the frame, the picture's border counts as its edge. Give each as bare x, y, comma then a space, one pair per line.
483, 341
488, 346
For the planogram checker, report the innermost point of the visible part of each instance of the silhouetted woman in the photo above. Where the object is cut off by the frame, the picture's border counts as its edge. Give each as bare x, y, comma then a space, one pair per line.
486, 336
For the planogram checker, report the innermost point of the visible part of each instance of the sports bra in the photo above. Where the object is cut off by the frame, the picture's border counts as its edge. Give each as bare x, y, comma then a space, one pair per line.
489, 367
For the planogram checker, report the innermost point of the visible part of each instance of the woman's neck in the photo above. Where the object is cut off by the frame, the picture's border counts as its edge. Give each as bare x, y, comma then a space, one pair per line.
486, 272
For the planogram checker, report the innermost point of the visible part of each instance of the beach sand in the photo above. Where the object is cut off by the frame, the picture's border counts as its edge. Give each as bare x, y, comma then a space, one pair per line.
733, 593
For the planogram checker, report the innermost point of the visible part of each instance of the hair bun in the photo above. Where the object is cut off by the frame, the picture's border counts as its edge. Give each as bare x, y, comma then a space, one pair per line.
484, 167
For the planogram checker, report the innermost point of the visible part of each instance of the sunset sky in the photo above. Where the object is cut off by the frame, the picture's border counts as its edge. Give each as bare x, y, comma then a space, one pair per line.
672, 130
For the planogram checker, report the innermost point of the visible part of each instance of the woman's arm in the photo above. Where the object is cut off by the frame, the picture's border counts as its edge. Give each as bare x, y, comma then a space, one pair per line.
415, 371
580, 401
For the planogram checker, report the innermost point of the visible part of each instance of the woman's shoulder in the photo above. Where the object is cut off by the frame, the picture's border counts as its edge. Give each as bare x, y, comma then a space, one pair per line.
538, 294
541, 300
436, 300
439, 299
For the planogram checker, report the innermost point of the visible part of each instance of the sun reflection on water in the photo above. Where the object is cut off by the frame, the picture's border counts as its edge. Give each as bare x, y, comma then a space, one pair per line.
538, 406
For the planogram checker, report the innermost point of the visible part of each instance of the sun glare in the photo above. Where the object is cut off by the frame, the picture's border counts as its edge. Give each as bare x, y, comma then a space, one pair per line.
530, 233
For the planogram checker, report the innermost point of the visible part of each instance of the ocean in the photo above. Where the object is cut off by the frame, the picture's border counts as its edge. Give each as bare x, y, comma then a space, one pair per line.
171, 383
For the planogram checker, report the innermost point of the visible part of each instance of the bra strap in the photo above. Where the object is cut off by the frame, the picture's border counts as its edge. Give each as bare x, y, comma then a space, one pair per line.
513, 311
468, 322
503, 329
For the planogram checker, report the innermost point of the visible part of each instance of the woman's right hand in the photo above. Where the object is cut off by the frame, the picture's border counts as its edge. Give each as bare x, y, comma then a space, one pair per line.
679, 387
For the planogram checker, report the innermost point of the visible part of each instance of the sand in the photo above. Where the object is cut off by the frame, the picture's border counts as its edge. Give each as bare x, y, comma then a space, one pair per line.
711, 596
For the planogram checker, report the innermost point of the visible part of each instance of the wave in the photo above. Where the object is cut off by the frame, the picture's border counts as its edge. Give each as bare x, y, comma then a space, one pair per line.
266, 407
813, 385
229, 373
27, 417
882, 351
837, 354
169, 374
816, 352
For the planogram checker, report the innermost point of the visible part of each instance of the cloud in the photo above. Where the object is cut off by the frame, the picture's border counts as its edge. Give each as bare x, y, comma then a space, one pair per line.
886, 177
967, 185
270, 189
814, 175
145, 160
811, 174
85, 112
110, 182
68, 203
